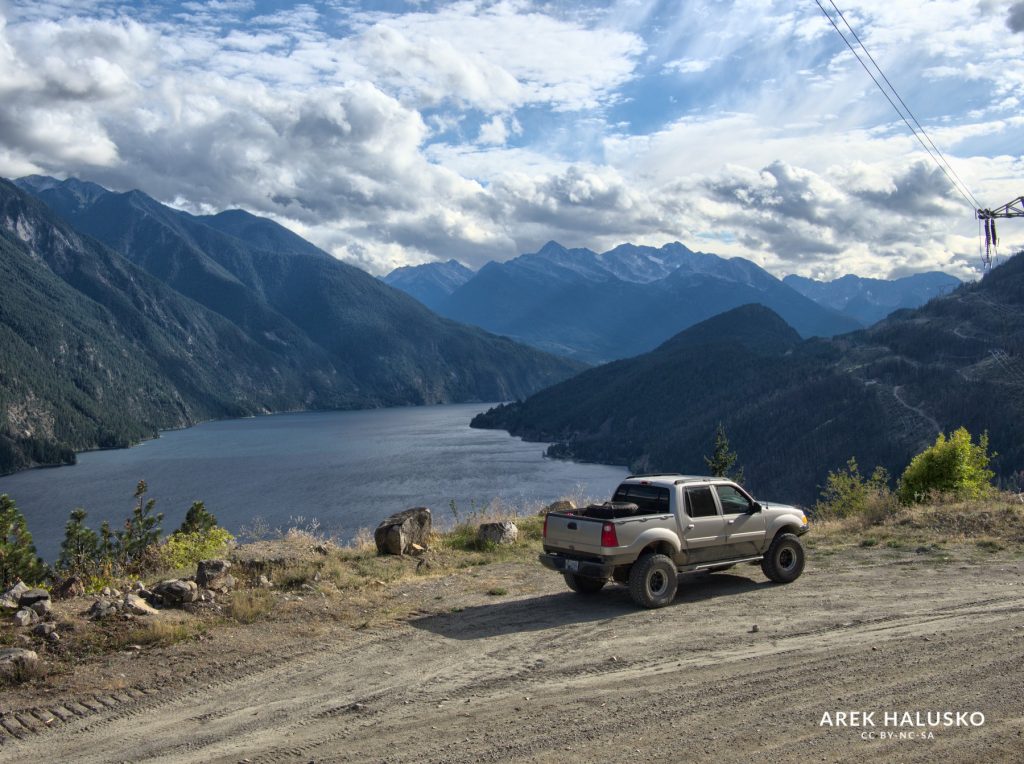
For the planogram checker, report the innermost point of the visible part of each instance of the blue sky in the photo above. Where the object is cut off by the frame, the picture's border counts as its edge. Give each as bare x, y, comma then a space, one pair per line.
397, 133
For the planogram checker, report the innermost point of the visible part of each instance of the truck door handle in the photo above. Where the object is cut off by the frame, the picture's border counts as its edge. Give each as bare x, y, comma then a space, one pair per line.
571, 526
731, 522
690, 527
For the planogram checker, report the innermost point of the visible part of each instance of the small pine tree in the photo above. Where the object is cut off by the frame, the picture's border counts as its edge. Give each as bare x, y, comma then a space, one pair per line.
141, 531
722, 460
954, 465
198, 520
18, 559
80, 550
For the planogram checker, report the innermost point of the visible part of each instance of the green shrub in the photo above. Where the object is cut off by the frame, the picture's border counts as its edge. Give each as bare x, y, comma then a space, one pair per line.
847, 493
141, 531
18, 558
80, 550
183, 550
198, 519
953, 465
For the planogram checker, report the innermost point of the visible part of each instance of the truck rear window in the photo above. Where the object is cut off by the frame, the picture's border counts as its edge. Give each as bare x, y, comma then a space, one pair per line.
651, 499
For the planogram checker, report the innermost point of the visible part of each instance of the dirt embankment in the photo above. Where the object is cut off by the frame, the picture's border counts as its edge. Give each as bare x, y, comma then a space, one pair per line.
502, 663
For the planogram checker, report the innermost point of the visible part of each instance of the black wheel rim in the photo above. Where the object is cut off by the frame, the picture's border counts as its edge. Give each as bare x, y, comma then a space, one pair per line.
657, 582
787, 560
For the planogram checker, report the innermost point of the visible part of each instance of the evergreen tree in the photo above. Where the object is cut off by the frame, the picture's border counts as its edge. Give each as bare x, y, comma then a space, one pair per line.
80, 550
722, 460
18, 559
141, 530
198, 520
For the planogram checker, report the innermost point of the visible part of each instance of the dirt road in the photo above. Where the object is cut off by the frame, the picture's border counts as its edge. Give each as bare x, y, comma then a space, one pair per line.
544, 675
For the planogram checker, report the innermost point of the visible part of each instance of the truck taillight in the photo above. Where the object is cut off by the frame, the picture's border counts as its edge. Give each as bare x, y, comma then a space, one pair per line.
608, 535
545, 533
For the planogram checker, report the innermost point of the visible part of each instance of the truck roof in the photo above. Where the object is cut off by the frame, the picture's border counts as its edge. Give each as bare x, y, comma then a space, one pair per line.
671, 478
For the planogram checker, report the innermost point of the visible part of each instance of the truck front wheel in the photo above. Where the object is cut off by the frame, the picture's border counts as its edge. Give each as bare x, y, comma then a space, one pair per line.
582, 585
784, 560
653, 580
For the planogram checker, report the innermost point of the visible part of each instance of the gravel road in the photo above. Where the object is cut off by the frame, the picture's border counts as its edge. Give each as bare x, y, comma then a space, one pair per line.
544, 675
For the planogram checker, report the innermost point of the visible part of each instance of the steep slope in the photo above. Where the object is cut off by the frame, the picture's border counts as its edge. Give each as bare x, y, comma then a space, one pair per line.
429, 283
623, 302
392, 349
96, 352
871, 300
796, 409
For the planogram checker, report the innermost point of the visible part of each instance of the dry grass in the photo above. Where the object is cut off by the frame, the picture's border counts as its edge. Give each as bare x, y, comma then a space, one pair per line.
160, 631
249, 605
990, 524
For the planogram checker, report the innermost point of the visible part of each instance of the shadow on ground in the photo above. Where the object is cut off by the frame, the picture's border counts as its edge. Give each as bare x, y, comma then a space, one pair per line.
550, 611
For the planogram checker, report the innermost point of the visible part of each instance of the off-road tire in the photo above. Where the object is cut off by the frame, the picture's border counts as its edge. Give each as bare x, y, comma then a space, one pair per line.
784, 560
582, 585
653, 580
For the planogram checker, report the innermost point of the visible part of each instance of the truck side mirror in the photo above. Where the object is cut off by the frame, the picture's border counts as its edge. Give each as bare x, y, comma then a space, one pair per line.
756, 507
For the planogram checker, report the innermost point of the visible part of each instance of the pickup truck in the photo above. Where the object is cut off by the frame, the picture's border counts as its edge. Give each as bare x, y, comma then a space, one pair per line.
657, 526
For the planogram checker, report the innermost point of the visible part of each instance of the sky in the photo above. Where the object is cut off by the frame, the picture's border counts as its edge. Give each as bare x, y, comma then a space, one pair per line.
394, 133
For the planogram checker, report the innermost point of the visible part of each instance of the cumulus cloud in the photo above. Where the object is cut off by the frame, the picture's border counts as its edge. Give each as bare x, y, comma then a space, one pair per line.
1015, 18
480, 129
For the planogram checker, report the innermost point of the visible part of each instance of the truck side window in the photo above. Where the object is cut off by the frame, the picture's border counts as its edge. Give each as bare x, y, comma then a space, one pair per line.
700, 502
733, 502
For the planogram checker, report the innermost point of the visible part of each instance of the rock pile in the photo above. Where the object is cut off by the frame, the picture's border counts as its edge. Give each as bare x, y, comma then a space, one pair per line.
33, 604
213, 575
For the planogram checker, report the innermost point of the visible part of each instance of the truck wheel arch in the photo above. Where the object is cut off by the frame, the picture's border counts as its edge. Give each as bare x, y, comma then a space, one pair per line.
794, 529
659, 547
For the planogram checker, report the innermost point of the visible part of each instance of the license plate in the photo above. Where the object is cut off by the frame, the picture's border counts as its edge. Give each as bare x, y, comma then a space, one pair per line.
572, 566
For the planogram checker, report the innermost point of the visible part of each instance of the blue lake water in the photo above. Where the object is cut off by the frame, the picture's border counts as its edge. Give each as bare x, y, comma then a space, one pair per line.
348, 470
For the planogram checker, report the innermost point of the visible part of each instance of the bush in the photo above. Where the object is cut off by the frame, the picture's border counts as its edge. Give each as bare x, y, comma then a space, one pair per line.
953, 465
80, 550
18, 558
847, 493
198, 519
184, 550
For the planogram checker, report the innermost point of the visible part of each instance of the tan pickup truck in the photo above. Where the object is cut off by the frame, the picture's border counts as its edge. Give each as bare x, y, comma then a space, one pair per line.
657, 526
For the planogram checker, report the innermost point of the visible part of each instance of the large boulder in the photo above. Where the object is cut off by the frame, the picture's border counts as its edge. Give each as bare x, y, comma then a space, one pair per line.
31, 596
398, 533
175, 592
16, 659
213, 574
12, 596
70, 587
505, 532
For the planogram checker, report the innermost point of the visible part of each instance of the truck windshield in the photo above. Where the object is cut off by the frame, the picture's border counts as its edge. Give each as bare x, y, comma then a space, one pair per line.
651, 499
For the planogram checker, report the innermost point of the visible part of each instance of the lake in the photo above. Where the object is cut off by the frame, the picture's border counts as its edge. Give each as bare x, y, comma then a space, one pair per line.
347, 470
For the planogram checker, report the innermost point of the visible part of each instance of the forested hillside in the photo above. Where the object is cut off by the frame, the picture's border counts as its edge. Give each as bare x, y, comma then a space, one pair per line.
101, 349
796, 409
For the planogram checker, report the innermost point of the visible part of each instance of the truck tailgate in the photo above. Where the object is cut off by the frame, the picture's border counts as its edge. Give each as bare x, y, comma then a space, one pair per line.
574, 533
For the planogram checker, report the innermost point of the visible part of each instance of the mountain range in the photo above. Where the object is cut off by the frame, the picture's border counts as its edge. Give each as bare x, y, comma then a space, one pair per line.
601, 306
794, 408
121, 316
870, 300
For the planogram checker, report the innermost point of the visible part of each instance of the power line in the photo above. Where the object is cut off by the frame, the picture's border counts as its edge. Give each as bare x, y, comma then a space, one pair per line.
904, 104
959, 186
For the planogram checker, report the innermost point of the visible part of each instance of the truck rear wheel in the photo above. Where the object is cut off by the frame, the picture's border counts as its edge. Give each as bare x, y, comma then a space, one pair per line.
784, 560
653, 581
582, 585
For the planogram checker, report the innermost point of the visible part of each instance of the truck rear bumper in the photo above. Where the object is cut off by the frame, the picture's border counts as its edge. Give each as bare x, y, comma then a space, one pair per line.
585, 568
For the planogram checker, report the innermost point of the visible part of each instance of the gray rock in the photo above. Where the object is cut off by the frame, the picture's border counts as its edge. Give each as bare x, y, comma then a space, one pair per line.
14, 659
398, 533
10, 598
103, 608
25, 617
265, 583
31, 596
106, 591
213, 574
41, 608
135, 604
45, 629
176, 592
562, 505
504, 532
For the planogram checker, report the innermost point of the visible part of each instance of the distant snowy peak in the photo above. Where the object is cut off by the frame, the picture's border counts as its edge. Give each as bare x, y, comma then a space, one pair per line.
430, 283
871, 300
